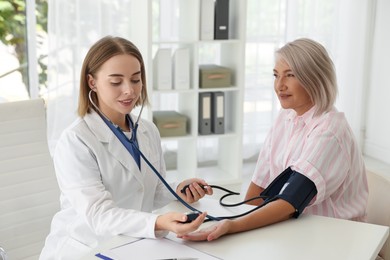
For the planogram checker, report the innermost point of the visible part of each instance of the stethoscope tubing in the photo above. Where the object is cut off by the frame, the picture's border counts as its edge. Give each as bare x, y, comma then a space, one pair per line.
209, 217
171, 190
132, 142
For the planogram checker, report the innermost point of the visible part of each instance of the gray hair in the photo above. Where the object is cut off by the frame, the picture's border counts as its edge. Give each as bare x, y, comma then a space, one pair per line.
314, 69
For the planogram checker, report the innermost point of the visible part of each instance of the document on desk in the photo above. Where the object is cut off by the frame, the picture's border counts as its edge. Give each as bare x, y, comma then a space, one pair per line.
155, 249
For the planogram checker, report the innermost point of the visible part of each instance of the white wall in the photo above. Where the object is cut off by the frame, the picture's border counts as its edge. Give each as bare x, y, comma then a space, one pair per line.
377, 139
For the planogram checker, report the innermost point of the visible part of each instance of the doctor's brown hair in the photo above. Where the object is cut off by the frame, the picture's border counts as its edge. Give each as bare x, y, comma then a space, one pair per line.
98, 54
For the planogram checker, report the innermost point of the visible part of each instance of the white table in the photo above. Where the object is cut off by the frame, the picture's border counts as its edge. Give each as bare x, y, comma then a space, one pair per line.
308, 237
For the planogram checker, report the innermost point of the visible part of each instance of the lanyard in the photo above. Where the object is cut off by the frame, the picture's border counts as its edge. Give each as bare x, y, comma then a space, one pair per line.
131, 145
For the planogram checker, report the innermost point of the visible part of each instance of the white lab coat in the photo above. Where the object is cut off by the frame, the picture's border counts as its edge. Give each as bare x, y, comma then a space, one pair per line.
103, 192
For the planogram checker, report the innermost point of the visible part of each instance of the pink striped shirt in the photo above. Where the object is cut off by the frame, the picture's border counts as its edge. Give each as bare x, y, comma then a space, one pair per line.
324, 149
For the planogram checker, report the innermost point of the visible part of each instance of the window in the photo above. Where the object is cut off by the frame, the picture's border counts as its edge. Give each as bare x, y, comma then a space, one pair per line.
265, 33
23, 48
270, 24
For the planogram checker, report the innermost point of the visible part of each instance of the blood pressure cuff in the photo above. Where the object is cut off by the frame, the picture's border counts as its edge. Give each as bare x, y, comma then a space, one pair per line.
293, 187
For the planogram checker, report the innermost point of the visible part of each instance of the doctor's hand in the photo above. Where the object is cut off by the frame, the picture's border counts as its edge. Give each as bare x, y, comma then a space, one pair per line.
210, 233
173, 221
193, 189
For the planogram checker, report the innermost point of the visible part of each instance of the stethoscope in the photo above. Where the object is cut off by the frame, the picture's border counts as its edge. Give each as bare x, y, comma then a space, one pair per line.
132, 142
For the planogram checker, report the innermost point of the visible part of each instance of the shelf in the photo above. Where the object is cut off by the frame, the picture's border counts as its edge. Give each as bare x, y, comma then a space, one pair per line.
187, 153
218, 89
174, 42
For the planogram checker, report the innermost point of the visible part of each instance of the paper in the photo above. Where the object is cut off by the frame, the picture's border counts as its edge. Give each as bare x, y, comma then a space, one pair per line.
153, 249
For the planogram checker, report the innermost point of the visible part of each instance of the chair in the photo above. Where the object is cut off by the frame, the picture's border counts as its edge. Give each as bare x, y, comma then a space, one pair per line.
29, 193
378, 210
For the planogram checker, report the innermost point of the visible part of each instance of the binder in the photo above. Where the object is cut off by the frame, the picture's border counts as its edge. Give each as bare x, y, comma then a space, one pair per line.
206, 20
181, 69
205, 113
221, 22
162, 69
218, 112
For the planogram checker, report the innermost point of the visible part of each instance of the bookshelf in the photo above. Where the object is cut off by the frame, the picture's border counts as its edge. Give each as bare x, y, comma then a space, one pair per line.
175, 24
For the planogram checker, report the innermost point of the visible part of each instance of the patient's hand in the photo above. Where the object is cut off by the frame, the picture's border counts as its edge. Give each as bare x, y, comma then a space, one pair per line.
210, 233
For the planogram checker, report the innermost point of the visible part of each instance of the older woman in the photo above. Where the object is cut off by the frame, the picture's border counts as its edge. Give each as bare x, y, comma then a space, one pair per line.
310, 141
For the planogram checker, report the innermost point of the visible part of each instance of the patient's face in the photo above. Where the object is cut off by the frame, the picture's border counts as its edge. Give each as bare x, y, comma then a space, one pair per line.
289, 90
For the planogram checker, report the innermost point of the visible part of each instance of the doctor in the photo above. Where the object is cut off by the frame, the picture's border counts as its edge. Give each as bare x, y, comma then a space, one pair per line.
105, 189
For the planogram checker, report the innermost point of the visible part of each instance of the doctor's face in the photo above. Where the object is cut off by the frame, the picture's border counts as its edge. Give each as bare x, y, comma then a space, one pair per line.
289, 90
118, 86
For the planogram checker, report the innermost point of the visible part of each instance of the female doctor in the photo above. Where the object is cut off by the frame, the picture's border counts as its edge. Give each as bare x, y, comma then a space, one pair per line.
106, 189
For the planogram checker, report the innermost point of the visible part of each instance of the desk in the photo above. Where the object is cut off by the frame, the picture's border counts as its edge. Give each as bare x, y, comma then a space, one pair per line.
308, 237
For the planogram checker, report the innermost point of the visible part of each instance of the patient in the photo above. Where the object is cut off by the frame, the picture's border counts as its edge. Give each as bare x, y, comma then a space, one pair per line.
312, 140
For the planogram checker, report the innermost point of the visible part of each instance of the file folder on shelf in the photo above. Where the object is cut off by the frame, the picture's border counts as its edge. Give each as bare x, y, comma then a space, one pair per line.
205, 113
206, 20
221, 22
218, 112
181, 69
162, 69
